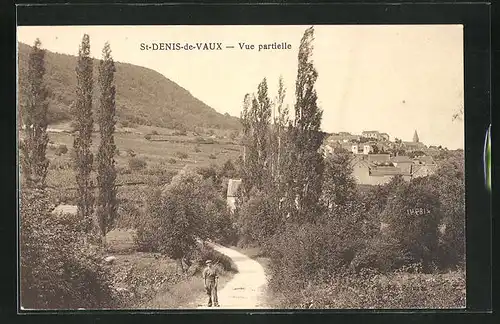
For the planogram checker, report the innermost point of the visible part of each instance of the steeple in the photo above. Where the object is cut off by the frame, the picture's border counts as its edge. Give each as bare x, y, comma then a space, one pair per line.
415, 137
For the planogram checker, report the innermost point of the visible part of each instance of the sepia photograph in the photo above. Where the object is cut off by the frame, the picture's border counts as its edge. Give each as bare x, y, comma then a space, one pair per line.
218, 167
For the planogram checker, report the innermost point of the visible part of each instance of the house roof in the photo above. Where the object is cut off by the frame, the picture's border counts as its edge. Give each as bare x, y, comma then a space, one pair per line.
401, 159
426, 159
379, 157
387, 171
232, 187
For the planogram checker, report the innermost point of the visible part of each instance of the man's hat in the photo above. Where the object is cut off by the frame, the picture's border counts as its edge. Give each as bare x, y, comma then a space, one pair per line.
208, 261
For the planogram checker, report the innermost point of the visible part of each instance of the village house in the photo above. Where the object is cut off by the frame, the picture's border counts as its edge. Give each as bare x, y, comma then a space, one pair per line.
378, 169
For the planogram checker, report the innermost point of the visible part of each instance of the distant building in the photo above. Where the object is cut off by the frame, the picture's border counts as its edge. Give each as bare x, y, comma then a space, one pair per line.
415, 137
376, 169
361, 149
384, 136
232, 190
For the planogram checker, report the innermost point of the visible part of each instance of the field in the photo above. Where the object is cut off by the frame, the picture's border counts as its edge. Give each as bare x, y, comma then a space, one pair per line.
140, 162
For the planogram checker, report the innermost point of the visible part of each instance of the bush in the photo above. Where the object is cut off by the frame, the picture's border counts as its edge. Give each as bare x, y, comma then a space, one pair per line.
131, 152
212, 157
197, 149
59, 270
400, 290
154, 132
172, 161
148, 137
181, 155
187, 209
61, 149
136, 164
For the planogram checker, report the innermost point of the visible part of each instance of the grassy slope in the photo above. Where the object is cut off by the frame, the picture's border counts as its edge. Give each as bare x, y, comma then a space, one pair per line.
143, 96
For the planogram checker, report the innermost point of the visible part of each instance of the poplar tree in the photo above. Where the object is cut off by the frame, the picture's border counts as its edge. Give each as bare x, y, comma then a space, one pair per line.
106, 172
34, 107
83, 126
307, 160
256, 119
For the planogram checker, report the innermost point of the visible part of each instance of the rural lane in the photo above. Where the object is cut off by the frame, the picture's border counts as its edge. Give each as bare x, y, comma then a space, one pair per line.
246, 290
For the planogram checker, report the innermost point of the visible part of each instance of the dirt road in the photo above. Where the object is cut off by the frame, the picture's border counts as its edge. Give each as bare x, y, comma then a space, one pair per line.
247, 288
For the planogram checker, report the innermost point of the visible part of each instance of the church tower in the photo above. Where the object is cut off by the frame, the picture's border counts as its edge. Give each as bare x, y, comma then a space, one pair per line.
415, 137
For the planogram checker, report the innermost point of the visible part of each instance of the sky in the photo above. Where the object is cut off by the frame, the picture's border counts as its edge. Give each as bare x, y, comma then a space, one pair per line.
394, 79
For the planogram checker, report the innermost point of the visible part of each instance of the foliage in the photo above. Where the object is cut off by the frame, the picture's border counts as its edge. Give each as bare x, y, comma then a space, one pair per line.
84, 124
147, 137
259, 218
449, 185
182, 155
399, 290
61, 149
188, 208
212, 157
413, 215
58, 269
33, 111
306, 138
136, 163
106, 173
339, 187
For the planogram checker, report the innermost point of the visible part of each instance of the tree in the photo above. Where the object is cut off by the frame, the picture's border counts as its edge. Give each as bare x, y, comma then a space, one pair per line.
413, 214
306, 137
256, 118
34, 107
339, 186
84, 126
106, 198
186, 209
449, 184
279, 135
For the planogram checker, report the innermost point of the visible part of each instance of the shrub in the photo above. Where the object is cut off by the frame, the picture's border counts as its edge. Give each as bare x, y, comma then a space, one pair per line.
125, 123
131, 152
187, 209
59, 270
136, 164
172, 161
413, 215
61, 149
148, 137
400, 290
154, 132
181, 155
212, 157
197, 149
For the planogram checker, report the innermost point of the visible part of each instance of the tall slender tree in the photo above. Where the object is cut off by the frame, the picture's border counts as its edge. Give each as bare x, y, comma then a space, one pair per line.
84, 125
106, 172
307, 136
256, 120
34, 107
280, 122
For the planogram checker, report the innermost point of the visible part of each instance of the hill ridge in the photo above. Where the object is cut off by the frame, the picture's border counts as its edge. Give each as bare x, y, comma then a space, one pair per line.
144, 96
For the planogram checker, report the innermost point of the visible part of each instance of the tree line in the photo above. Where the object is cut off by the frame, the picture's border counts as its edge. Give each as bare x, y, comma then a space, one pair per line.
304, 208
98, 211
44, 237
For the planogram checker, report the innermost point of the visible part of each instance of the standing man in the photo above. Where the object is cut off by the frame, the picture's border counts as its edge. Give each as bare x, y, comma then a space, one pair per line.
210, 280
